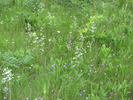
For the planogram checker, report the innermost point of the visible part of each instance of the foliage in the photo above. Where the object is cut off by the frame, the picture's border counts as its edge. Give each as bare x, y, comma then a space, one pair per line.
16, 59
69, 49
90, 26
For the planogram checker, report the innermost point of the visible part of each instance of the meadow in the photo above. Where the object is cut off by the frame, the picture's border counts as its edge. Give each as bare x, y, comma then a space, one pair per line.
66, 49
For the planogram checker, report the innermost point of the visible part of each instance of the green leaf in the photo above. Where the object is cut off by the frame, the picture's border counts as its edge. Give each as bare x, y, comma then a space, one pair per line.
21, 52
36, 66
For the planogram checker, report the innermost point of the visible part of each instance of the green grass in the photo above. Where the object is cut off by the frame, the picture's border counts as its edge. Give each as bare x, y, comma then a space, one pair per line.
66, 51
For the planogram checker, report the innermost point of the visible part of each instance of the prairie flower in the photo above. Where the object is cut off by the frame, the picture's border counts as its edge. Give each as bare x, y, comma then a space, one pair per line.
8, 74
58, 31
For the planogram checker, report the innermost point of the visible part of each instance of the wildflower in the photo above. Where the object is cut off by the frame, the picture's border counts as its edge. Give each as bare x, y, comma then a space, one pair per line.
34, 41
8, 75
104, 73
26, 98
101, 83
90, 70
36, 38
58, 31
83, 90
86, 97
53, 65
4, 98
88, 73
80, 94
64, 66
34, 34
76, 52
7, 91
5, 88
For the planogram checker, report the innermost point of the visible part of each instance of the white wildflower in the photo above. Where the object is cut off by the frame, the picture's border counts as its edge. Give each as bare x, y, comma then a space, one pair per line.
76, 52
58, 31
6, 71
8, 75
34, 41
36, 38
34, 34
74, 58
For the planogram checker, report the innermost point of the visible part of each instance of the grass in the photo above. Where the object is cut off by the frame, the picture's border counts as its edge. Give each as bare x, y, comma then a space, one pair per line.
66, 51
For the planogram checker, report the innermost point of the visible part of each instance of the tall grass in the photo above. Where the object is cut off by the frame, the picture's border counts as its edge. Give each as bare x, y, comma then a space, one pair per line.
66, 50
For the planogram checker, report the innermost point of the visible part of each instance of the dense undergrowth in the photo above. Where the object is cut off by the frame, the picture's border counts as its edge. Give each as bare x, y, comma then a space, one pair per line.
66, 49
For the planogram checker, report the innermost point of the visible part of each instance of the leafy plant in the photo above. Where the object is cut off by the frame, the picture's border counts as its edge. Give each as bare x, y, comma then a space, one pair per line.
16, 59
30, 21
90, 27
105, 52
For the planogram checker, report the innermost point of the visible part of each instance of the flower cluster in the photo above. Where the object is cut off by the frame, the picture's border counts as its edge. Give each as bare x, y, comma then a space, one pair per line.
35, 40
